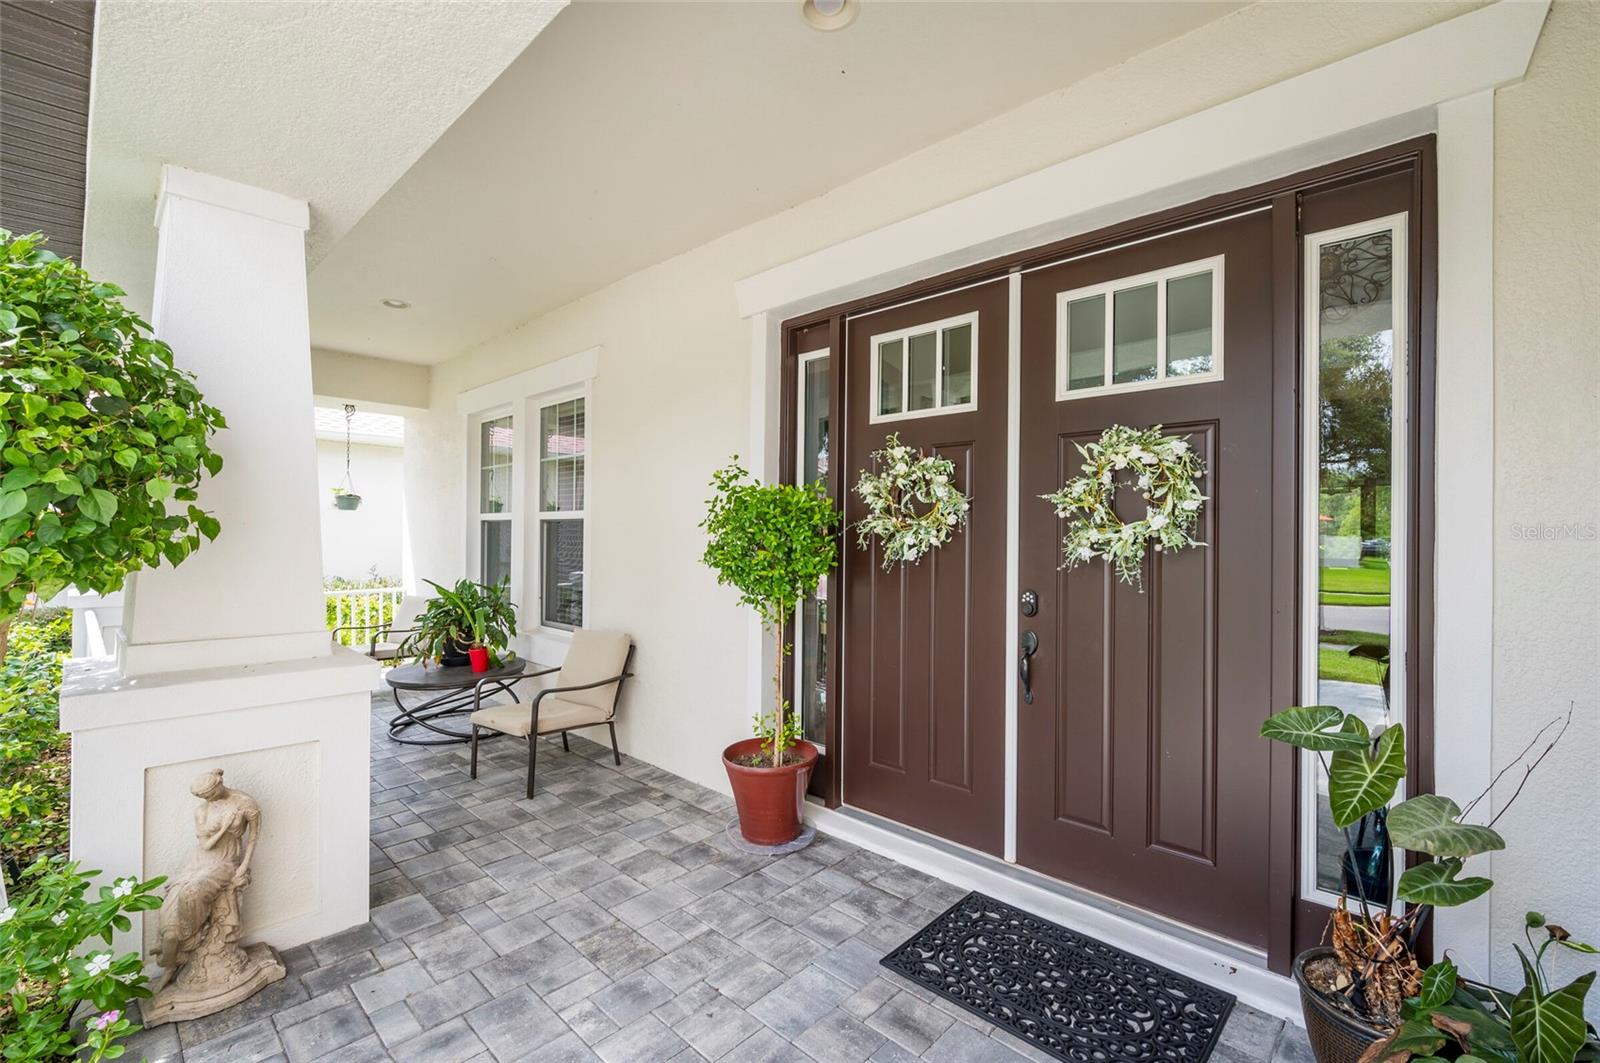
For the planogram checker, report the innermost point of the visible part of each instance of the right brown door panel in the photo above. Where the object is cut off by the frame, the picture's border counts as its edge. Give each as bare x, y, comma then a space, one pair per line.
1141, 775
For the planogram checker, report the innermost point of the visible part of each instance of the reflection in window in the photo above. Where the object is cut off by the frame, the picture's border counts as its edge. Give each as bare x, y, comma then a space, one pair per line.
1155, 329
811, 651
495, 439
1358, 317
926, 369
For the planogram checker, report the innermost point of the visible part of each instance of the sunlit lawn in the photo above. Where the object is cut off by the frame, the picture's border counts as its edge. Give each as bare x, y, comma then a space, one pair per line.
1367, 584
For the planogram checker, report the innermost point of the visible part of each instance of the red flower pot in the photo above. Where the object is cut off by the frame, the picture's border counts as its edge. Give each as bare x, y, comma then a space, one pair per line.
769, 799
479, 656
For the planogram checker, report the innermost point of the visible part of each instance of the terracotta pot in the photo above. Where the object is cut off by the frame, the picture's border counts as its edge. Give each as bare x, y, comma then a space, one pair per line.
479, 656
1336, 1036
769, 799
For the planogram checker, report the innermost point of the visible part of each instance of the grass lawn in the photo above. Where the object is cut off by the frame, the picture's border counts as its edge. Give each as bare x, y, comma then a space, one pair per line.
1367, 584
1338, 664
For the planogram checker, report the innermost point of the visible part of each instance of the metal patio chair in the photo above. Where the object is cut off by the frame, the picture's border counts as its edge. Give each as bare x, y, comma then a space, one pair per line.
385, 640
585, 695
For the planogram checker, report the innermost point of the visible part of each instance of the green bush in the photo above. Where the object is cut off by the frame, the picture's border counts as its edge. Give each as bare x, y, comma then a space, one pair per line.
35, 769
52, 963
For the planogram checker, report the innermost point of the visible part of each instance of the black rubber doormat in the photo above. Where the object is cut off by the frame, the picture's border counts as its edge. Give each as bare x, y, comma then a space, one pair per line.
1068, 995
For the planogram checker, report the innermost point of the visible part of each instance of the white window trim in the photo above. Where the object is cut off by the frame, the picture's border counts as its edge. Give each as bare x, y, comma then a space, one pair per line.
534, 620
1310, 507
904, 335
1158, 277
801, 362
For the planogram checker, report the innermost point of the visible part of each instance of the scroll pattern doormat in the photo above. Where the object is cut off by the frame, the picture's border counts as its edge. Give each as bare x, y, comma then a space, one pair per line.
1070, 996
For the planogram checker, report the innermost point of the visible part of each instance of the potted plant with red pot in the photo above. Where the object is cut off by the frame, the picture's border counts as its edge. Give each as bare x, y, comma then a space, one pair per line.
1365, 995
772, 543
470, 623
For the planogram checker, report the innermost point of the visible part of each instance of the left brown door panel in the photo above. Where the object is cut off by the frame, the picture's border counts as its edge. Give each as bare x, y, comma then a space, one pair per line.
925, 657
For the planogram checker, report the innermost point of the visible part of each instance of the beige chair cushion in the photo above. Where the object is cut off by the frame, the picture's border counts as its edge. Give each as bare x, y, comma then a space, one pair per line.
385, 651
593, 656
556, 713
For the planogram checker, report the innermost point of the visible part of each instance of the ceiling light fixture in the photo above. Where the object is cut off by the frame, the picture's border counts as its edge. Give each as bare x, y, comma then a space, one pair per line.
829, 15
396, 304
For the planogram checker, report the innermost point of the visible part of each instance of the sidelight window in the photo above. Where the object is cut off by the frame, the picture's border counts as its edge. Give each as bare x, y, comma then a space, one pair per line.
811, 620
1152, 330
1353, 519
925, 370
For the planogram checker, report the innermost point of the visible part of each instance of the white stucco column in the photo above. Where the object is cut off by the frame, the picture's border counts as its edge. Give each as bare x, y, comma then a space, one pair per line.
230, 298
225, 662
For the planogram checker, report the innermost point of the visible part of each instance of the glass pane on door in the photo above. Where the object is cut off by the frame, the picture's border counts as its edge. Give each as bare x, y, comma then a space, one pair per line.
811, 662
891, 374
957, 367
1086, 343
924, 352
1189, 325
1133, 333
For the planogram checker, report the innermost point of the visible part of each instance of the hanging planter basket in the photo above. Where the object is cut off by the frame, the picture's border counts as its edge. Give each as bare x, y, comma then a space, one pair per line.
344, 496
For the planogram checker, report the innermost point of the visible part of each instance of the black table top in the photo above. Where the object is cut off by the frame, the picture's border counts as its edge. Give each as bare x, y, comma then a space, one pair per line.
436, 677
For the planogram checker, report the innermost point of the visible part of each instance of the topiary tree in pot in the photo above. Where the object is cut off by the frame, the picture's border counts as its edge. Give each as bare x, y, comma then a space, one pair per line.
772, 543
103, 440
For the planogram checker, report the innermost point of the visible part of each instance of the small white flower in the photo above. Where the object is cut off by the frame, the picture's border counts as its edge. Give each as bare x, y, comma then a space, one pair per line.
1157, 520
1191, 504
1085, 552
7, 914
123, 887
99, 965
1180, 446
59, 918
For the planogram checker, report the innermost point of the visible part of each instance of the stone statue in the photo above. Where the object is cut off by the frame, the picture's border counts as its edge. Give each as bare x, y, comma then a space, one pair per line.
204, 969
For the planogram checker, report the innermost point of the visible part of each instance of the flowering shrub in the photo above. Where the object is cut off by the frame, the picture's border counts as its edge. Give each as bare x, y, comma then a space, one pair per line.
34, 764
53, 960
912, 502
1165, 471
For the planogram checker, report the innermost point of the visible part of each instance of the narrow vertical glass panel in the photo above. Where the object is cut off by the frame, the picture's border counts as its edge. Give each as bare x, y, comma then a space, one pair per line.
563, 450
494, 462
1133, 335
957, 366
1189, 325
924, 353
812, 664
1355, 347
494, 551
891, 368
561, 546
1086, 343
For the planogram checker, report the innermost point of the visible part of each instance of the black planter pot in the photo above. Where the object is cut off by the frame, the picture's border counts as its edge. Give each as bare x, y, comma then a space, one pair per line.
454, 655
1336, 1036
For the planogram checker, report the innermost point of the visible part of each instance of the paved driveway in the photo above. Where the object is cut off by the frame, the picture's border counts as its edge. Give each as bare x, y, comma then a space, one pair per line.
608, 918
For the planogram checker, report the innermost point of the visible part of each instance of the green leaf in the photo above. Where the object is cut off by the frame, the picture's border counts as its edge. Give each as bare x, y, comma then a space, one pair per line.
127, 457
209, 527
158, 489
19, 477
1428, 824
1438, 985
1416, 1036
1360, 780
12, 503
1314, 727
99, 504
14, 556
1549, 1028
1435, 883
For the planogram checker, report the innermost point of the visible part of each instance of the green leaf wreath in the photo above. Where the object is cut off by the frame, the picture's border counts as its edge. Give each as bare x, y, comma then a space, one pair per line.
1165, 470
913, 504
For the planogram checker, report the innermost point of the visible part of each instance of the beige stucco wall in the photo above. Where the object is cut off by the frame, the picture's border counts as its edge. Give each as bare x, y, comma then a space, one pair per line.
1547, 434
672, 398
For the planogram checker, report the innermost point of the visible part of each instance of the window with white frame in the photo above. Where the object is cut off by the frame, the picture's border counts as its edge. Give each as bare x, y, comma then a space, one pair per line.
495, 468
563, 497
926, 369
1153, 330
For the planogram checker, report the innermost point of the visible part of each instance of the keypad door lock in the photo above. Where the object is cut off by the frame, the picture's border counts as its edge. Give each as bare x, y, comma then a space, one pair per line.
1030, 603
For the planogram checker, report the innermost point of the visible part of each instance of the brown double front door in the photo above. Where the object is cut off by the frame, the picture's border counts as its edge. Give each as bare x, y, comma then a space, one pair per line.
1138, 771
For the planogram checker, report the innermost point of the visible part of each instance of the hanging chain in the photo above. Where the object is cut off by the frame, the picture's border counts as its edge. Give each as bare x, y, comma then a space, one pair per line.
349, 418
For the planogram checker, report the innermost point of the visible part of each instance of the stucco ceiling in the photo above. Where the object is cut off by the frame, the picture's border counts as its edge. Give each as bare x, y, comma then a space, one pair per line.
629, 132
325, 100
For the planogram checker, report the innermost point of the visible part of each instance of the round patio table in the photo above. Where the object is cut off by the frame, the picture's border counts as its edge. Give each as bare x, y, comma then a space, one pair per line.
446, 693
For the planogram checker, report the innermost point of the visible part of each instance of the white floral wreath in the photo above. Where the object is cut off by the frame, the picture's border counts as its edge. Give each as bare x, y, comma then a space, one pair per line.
1168, 477
901, 480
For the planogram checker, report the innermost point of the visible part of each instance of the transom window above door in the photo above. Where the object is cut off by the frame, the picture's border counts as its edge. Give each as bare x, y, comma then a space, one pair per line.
926, 369
1152, 330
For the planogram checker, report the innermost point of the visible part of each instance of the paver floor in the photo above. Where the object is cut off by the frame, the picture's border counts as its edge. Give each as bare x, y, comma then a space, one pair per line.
608, 918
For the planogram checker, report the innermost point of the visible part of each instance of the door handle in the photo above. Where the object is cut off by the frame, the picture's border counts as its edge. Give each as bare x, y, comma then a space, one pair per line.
1030, 646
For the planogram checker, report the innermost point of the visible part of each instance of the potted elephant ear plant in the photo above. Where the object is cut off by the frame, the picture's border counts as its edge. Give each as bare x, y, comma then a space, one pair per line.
1365, 995
772, 543
470, 623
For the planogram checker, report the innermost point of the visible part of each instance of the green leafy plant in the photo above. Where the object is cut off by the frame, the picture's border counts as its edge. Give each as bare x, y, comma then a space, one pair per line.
103, 441
1450, 1018
772, 543
468, 614
1374, 946
35, 757
52, 962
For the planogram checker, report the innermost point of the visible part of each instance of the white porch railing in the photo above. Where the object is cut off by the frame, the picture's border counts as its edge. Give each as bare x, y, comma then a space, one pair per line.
362, 608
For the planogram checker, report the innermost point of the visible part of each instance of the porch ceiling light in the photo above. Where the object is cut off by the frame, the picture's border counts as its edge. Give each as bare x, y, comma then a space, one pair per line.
828, 15
396, 304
